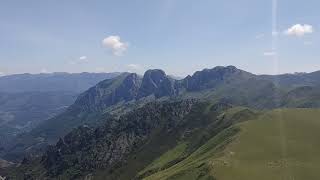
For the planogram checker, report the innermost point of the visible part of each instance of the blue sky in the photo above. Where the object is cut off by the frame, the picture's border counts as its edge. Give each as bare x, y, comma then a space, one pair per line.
178, 36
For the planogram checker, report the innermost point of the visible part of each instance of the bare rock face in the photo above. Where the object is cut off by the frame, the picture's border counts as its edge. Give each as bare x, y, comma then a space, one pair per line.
109, 92
156, 82
4, 163
125, 88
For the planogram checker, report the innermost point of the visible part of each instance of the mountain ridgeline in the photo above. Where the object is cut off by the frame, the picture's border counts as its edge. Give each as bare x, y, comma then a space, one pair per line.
52, 82
133, 127
116, 96
155, 83
220, 83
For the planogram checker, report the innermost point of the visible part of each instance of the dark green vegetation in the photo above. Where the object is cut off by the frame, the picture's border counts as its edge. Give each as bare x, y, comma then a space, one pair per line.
155, 127
124, 146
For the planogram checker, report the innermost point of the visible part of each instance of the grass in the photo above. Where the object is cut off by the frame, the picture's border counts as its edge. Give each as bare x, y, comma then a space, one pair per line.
195, 166
166, 159
280, 145
164, 149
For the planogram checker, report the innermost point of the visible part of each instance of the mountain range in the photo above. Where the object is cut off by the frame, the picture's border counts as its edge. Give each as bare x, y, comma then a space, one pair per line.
26, 100
157, 127
48, 82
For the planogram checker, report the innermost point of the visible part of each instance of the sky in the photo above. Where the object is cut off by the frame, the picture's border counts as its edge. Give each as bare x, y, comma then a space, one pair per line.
178, 36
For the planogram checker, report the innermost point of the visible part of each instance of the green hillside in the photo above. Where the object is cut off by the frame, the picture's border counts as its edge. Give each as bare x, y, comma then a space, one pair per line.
281, 144
219, 123
120, 95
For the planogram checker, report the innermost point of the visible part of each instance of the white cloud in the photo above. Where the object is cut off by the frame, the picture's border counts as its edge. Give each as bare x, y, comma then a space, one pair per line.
2, 73
115, 45
269, 53
299, 30
83, 58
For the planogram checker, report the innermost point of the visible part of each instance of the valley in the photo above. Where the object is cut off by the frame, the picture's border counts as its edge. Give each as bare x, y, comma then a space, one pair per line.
27, 100
219, 123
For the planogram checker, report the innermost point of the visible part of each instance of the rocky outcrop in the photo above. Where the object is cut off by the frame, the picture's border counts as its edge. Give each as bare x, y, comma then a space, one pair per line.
156, 82
129, 86
210, 78
110, 92
86, 149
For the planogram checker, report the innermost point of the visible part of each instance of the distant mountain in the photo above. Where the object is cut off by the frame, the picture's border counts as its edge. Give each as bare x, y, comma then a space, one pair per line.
103, 100
294, 80
26, 100
21, 112
304, 97
137, 127
212, 78
109, 92
156, 82
72, 82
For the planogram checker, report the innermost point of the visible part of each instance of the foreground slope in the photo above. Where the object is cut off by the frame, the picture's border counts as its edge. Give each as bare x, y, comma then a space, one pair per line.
187, 140
281, 144
121, 148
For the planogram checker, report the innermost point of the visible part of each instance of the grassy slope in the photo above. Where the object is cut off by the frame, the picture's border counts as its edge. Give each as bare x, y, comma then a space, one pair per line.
160, 142
199, 126
194, 166
282, 144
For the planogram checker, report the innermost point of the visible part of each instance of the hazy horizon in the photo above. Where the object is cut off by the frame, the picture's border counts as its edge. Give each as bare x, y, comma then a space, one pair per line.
141, 73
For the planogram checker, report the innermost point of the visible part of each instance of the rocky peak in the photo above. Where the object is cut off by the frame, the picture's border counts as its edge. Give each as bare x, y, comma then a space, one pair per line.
109, 92
210, 78
218, 72
154, 76
156, 82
